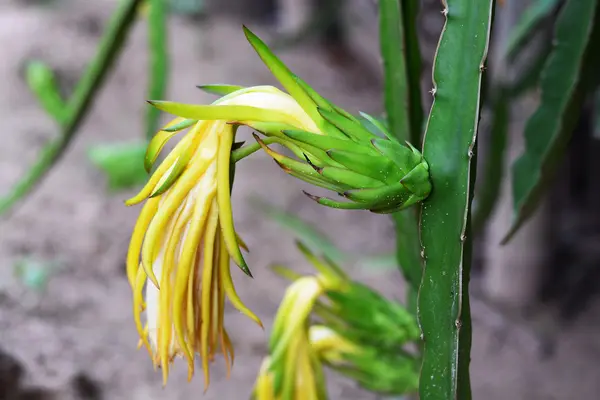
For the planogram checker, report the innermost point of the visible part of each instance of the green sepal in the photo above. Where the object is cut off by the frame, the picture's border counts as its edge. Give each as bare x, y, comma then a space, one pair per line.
379, 168
392, 194
281, 72
417, 181
327, 142
174, 173
317, 99
404, 158
346, 114
341, 205
350, 178
186, 123
301, 170
155, 146
379, 126
348, 127
220, 89
220, 112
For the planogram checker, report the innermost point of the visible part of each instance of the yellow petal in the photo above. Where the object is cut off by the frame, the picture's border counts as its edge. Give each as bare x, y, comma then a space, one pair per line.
137, 238
208, 267
160, 171
224, 198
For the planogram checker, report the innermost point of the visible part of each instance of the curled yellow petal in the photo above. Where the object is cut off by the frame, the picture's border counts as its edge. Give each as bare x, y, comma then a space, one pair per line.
160, 171
137, 238
224, 198
228, 286
158, 142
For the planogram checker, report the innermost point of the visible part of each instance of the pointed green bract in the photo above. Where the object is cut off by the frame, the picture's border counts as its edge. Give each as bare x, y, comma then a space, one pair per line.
348, 127
220, 89
404, 158
417, 180
173, 174
326, 142
186, 123
221, 112
351, 178
302, 170
388, 194
376, 167
283, 75
342, 205
379, 125
155, 146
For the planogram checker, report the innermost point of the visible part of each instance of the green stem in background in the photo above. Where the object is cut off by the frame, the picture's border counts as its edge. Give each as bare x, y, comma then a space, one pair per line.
412, 53
394, 67
488, 193
397, 103
159, 61
449, 148
80, 102
570, 74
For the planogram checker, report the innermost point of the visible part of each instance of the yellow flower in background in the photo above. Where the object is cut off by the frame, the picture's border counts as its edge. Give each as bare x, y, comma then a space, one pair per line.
293, 370
358, 333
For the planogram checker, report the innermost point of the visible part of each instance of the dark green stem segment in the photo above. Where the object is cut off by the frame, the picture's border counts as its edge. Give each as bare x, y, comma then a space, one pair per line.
489, 192
159, 61
401, 63
394, 68
80, 102
412, 52
449, 148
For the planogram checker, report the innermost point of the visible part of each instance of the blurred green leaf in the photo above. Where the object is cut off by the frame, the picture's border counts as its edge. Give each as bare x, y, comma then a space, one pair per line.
319, 243
316, 241
531, 19
449, 146
42, 83
529, 77
122, 163
570, 73
35, 274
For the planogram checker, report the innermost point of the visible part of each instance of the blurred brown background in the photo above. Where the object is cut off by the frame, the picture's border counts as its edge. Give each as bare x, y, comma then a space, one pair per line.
76, 338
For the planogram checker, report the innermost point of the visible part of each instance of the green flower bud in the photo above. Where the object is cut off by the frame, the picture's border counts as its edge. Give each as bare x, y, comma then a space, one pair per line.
373, 170
362, 314
372, 367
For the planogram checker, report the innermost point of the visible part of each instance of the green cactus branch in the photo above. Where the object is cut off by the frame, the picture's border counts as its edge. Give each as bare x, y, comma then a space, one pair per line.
77, 107
449, 146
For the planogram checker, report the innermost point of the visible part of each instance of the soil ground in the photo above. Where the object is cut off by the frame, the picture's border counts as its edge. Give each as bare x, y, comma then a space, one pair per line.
80, 329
